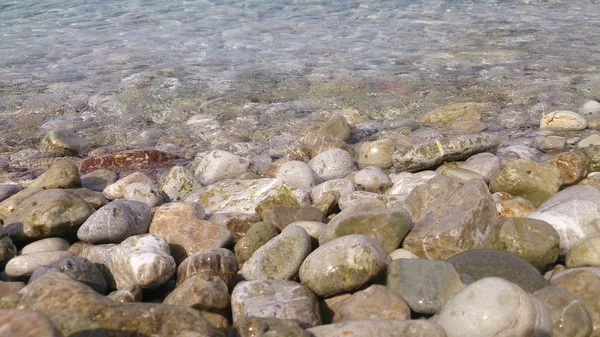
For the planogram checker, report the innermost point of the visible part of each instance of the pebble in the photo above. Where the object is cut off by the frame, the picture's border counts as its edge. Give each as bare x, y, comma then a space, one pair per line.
179, 183
375, 302
332, 164
569, 317
25, 265
343, 264
573, 166
482, 263
486, 164
361, 200
402, 253
533, 181
93, 198
588, 141
259, 234
551, 144
462, 218
462, 175
63, 174
586, 252
218, 165
298, 174
379, 328
372, 179
536, 241
562, 120
312, 228
275, 298
97, 180
143, 192
78, 268
341, 186
426, 285
495, 307
117, 189
63, 143
280, 258
573, 212
201, 292
387, 227
115, 222
219, 262
25, 323
519, 152
590, 107
377, 153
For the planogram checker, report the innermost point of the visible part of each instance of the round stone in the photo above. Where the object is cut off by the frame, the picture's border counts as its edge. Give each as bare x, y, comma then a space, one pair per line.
116, 190
297, 174
332, 164
589, 141
590, 107
63, 143
218, 165
377, 153
562, 120
372, 179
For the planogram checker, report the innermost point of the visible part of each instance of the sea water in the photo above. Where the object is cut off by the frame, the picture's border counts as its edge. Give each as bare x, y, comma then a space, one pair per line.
250, 75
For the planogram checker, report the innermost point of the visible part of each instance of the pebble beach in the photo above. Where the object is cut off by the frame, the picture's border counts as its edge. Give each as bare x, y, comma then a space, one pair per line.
315, 169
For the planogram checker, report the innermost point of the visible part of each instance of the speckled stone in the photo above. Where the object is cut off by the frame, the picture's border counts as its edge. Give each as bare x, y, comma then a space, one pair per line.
379, 328
297, 174
280, 258
535, 241
97, 180
179, 183
78, 268
332, 164
586, 252
375, 302
63, 143
426, 285
275, 298
51, 212
218, 165
482, 263
25, 323
376, 153
495, 307
570, 318
116, 190
143, 192
259, 234
573, 212
388, 227
219, 262
343, 264
25, 265
115, 222
202, 292
562, 120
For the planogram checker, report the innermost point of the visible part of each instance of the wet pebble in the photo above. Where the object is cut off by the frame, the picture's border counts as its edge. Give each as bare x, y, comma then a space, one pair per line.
332, 164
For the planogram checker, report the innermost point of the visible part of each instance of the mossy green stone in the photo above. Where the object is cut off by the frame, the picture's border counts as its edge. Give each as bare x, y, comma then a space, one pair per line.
259, 234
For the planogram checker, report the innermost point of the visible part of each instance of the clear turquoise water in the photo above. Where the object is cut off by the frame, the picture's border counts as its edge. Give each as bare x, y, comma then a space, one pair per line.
115, 69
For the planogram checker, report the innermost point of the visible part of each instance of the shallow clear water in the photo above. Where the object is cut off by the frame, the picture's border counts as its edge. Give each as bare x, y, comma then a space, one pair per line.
134, 72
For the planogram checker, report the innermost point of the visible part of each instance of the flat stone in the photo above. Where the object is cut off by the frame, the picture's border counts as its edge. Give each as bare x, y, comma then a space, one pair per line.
536, 241
332, 164
459, 220
495, 307
388, 227
376, 153
573, 212
275, 298
128, 160
482, 263
63, 143
237, 223
117, 189
525, 178
343, 264
430, 154
219, 262
97, 180
202, 292
238, 196
584, 284
141, 259
259, 234
570, 318
52, 212
219, 165
143, 192
562, 120
63, 174
115, 222
573, 166
509, 206
76, 309
425, 285
24, 323
378, 328
297, 174
180, 224
586, 252
280, 258
375, 302
179, 183
25, 265
78, 268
